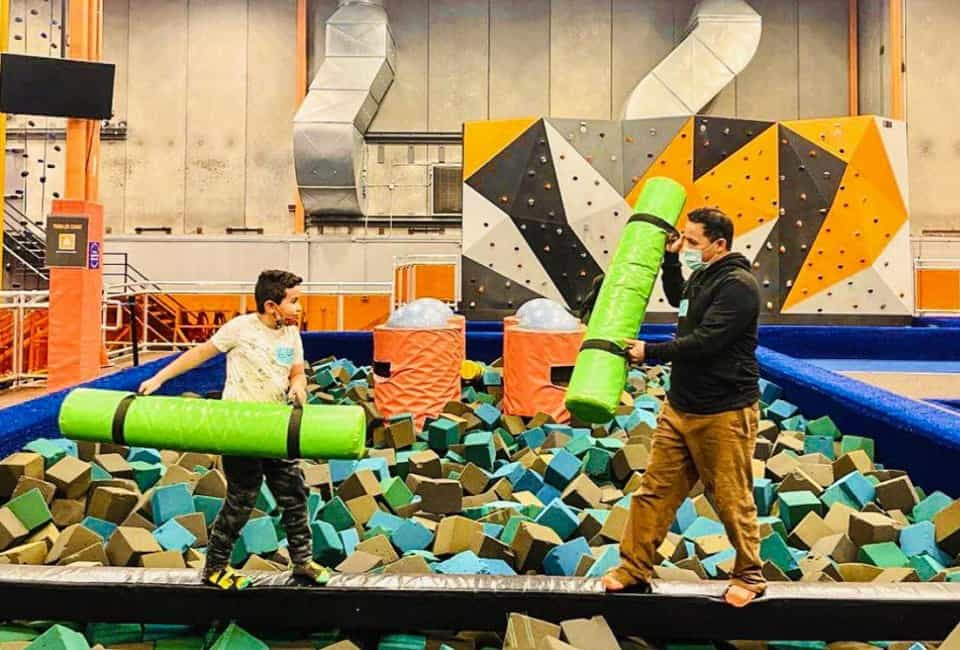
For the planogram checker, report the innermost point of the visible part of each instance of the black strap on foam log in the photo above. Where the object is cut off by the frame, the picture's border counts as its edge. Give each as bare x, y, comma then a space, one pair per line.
120, 418
606, 346
293, 432
654, 220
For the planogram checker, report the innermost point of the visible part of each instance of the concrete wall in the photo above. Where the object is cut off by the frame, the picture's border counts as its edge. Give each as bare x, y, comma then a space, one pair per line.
933, 94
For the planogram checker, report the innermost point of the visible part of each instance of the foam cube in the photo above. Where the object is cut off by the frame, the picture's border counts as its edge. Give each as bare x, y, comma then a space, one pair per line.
59, 637
886, 555
853, 443
463, 563
146, 474
712, 563
531, 482
871, 528
412, 536
947, 523
919, 539
763, 495
779, 410
925, 566
513, 472
532, 543
819, 445
769, 391
562, 560
336, 513
480, 449
328, 546
236, 638
533, 438
127, 545
823, 426
930, 506
702, 527
609, 558
99, 526
30, 509
51, 452
548, 493
171, 501
559, 517
562, 469
860, 490
257, 537
774, 549
442, 434
209, 507
340, 470
172, 536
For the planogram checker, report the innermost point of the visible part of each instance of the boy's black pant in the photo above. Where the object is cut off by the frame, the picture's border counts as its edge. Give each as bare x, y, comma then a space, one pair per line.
244, 477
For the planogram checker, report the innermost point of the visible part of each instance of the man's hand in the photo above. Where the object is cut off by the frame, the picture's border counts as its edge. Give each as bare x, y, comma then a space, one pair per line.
674, 243
637, 350
297, 395
150, 386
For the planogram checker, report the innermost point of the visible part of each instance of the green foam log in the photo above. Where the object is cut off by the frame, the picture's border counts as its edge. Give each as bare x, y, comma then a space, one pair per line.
598, 376
214, 426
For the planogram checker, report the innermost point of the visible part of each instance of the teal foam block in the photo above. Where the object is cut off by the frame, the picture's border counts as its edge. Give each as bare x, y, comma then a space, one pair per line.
144, 455
335, 512
479, 449
596, 463
794, 506
559, 517
930, 506
710, 564
101, 527
97, 473
774, 549
208, 506
579, 446
411, 536
562, 560
886, 555
859, 488
836, 494
378, 465
608, 560
146, 474
925, 566
533, 438
531, 482
769, 391
819, 445
328, 547
350, 538
562, 469
488, 414
921, 538
67, 445
548, 493
257, 537
442, 434
494, 567
780, 410
513, 472
402, 642
464, 563
51, 452
171, 501
492, 530
172, 536
386, 521
686, 515
764, 493
795, 423
701, 527
266, 502
340, 470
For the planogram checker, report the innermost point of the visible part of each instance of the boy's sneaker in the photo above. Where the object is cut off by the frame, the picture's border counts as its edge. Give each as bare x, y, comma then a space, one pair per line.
227, 579
312, 572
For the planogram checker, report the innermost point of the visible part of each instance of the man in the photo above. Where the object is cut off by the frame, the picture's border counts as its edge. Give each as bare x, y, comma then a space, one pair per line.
708, 426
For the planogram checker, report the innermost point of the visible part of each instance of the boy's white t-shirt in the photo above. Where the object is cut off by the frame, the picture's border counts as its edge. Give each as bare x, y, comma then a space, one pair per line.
259, 359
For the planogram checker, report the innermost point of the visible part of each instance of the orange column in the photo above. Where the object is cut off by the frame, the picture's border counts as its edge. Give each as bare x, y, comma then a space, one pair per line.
75, 347
299, 221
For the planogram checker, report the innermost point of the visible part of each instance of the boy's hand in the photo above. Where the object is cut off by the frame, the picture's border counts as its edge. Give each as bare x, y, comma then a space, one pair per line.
297, 395
637, 350
150, 386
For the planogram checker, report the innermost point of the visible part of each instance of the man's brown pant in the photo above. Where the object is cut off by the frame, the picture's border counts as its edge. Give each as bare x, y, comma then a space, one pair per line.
716, 448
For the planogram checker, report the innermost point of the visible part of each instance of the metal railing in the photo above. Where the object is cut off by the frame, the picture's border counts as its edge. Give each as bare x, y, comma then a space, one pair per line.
405, 274
153, 331
23, 338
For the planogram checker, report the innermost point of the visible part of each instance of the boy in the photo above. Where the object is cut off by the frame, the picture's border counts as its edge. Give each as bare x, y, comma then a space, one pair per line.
264, 364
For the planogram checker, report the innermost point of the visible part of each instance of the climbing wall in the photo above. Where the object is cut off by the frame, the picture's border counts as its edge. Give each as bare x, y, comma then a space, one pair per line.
818, 207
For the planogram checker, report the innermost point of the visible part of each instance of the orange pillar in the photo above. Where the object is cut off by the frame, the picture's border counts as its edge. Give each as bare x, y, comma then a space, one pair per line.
75, 344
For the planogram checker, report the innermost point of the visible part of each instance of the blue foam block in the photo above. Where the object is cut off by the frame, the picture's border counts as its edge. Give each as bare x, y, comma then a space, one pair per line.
513, 472
559, 517
385, 520
172, 536
769, 391
702, 526
529, 482
101, 527
819, 445
608, 560
836, 494
341, 469
562, 560
488, 414
491, 567
856, 486
259, 536
171, 501
492, 378
562, 469
930, 506
920, 538
411, 536
465, 563
548, 493
349, 538
686, 515
710, 563
764, 494
144, 455
492, 530
533, 438
779, 410
378, 465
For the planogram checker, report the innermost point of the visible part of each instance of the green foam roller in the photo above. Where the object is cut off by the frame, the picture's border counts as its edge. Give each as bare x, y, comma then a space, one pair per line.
601, 369
213, 426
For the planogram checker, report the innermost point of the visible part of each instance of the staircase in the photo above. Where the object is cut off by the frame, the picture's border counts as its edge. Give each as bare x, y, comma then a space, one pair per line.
24, 252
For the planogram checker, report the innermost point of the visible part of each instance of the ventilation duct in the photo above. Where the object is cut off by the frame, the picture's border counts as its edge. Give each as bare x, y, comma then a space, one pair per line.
328, 129
722, 37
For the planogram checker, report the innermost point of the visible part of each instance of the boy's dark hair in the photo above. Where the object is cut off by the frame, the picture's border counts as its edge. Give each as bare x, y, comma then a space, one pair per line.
716, 224
273, 285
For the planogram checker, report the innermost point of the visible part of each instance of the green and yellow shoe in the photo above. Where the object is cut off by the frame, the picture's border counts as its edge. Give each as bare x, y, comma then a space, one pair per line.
227, 579
314, 573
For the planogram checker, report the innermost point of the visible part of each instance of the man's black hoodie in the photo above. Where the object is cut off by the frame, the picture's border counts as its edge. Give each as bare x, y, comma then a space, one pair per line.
714, 352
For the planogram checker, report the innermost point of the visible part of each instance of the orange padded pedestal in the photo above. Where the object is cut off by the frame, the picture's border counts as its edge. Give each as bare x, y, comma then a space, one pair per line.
536, 366
417, 371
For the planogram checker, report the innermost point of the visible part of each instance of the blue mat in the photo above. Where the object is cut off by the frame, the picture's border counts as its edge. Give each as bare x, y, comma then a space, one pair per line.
886, 365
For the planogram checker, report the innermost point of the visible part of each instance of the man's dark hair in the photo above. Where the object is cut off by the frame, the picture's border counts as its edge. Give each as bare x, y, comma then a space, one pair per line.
273, 285
716, 225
